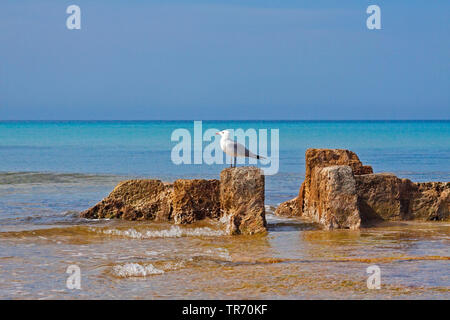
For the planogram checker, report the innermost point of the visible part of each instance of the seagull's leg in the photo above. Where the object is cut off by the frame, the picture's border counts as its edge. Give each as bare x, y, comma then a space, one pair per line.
235, 162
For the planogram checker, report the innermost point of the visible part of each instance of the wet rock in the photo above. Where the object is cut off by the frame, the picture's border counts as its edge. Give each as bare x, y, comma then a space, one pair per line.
242, 200
288, 208
314, 160
195, 200
135, 200
430, 201
320, 158
332, 198
383, 196
387, 197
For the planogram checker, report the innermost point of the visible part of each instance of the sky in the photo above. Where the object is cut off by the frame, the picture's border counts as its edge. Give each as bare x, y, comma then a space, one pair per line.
203, 60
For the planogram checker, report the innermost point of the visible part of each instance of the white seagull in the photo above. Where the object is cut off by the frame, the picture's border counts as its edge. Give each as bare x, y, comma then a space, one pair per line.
234, 149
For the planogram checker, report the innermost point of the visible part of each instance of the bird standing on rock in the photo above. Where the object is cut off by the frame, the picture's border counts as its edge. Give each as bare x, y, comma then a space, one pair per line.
234, 149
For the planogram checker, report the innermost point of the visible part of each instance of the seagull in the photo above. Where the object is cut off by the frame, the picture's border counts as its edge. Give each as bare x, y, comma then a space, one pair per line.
234, 149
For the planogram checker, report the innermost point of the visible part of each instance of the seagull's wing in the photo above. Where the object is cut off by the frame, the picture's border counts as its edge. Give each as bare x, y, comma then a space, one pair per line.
235, 149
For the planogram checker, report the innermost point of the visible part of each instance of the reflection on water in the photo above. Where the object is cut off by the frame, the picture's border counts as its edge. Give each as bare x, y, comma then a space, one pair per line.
141, 260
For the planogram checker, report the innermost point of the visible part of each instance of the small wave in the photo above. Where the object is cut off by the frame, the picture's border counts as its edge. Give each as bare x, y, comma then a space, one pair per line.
173, 232
276, 223
269, 208
135, 270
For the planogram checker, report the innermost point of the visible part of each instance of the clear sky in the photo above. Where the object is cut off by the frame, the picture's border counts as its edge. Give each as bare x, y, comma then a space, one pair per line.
248, 59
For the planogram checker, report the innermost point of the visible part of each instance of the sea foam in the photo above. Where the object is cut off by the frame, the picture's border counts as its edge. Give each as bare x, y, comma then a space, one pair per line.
135, 270
173, 232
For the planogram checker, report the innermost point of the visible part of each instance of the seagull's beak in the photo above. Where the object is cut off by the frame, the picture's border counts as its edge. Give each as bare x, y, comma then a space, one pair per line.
217, 133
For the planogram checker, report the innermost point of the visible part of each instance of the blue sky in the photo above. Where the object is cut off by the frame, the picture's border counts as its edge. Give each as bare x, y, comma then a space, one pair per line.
224, 60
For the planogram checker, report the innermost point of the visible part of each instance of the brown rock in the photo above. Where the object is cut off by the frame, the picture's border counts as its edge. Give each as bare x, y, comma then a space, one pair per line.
387, 197
288, 208
135, 200
195, 200
242, 200
383, 196
380, 196
443, 206
320, 158
332, 199
430, 201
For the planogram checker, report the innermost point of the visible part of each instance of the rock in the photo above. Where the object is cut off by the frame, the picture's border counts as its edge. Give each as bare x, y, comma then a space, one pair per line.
288, 208
430, 201
135, 200
383, 196
238, 198
195, 200
443, 206
387, 197
319, 158
242, 200
314, 160
380, 196
332, 198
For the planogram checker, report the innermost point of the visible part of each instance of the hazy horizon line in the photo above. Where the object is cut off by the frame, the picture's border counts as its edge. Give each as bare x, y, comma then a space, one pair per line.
229, 120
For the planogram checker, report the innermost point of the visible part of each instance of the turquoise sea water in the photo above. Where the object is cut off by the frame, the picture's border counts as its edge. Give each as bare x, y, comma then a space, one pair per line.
419, 150
49, 171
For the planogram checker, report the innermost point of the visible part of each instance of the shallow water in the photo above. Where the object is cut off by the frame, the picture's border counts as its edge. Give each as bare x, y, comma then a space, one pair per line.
51, 171
141, 260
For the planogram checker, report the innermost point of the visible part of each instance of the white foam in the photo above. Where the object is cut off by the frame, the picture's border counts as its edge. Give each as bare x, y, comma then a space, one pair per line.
269, 208
172, 266
271, 218
220, 253
173, 232
135, 270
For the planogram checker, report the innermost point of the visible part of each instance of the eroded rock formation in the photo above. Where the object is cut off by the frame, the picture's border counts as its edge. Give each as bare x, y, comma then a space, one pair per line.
383, 196
430, 201
237, 200
242, 200
194, 200
135, 200
332, 199
288, 208
327, 196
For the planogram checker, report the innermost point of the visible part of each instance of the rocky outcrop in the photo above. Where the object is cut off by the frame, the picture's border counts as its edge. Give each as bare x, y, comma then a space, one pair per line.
320, 158
383, 196
430, 201
386, 197
135, 200
379, 196
242, 200
333, 201
195, 200
237, 199
288, 208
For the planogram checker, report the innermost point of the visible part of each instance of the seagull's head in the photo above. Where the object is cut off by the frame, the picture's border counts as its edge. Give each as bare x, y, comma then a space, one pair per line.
224, 134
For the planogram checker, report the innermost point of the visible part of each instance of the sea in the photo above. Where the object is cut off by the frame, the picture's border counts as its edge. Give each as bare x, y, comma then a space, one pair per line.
52, 170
